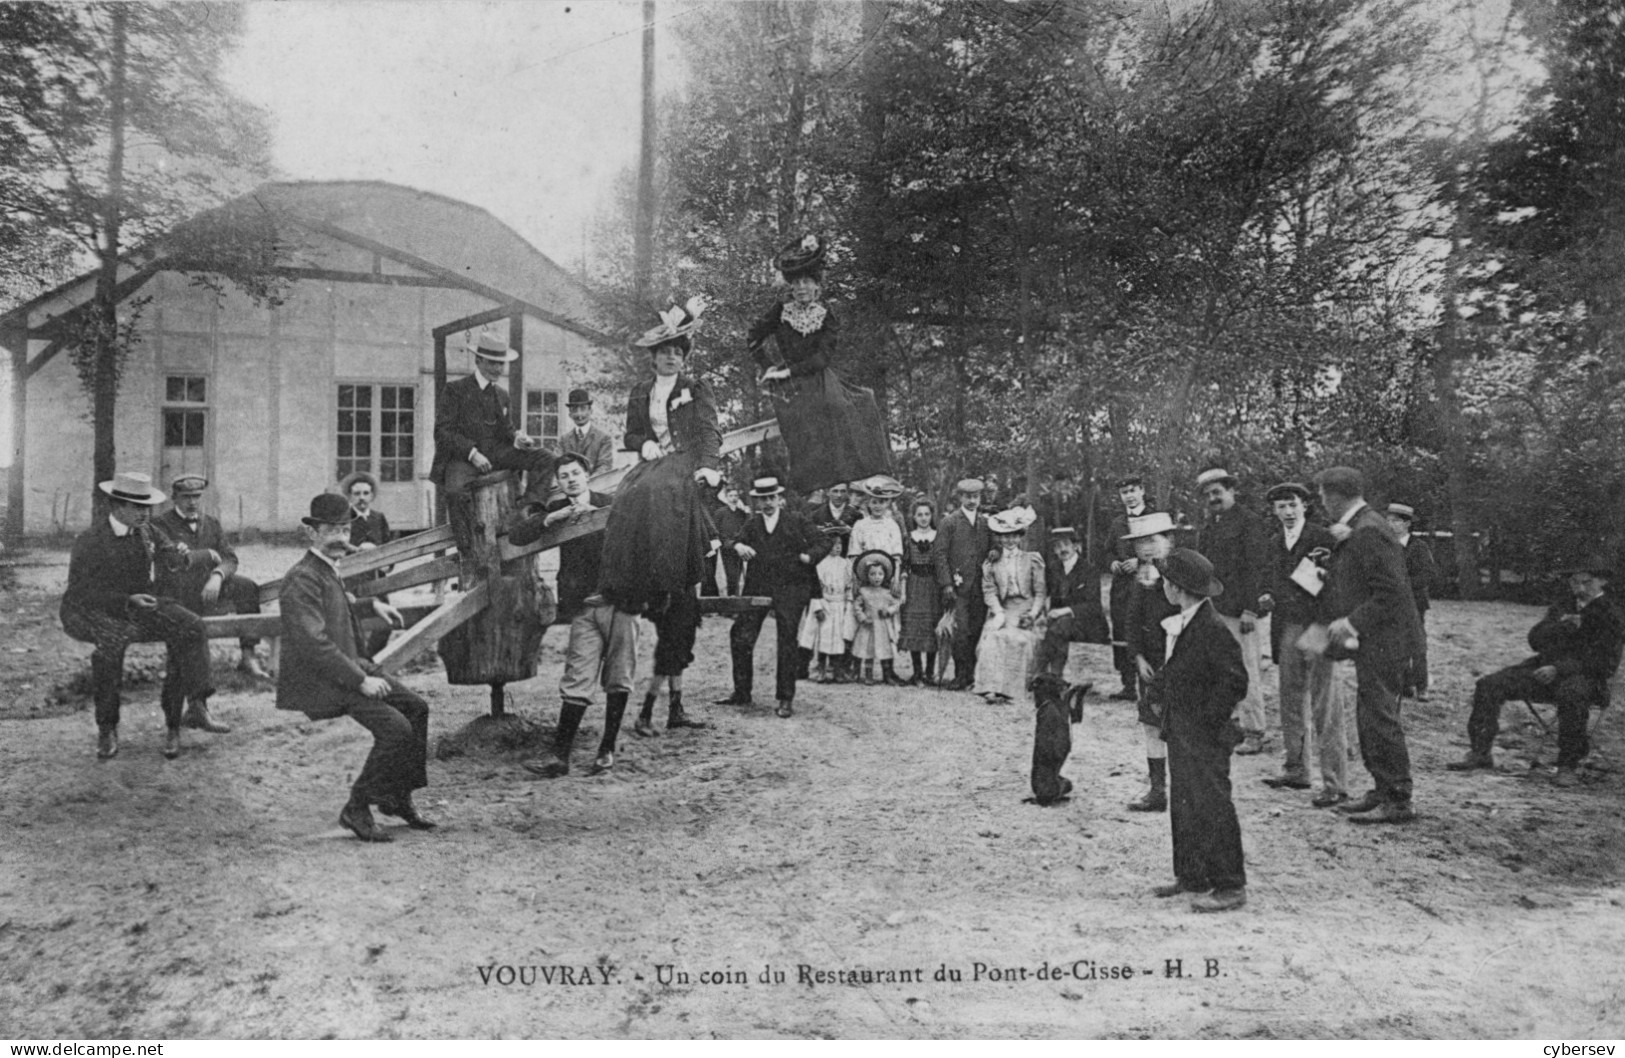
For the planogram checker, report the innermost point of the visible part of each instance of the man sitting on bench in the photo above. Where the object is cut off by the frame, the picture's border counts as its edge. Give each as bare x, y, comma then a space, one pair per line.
1577, 648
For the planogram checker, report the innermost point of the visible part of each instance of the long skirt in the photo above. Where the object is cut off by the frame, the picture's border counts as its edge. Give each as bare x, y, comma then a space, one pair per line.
922, 609
1004, 656
833, 430
655, 542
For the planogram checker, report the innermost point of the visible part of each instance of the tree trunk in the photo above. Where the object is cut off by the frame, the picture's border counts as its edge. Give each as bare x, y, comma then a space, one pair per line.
643, 237
107, 355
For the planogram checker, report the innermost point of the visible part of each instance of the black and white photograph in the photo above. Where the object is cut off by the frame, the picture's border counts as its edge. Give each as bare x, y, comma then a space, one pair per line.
1178, 447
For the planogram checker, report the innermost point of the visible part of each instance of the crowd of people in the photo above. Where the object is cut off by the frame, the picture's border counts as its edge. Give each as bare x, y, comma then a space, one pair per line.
862, 576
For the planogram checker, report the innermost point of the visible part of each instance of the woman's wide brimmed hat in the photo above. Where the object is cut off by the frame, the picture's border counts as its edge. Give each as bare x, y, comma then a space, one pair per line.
133, 488
804, 257
1015, 520
1157, 523
676, 325
873, 558
761, 488
880, 487
1187, 569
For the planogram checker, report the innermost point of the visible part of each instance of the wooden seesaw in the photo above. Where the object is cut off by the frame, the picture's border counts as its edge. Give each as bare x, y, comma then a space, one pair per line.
490, 631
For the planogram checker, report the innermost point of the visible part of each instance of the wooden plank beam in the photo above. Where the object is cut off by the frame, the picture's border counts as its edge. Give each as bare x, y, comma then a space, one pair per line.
552, 538
479, 319
432, 629
385, 279
415, 545
723, 604
269, 625
410, 577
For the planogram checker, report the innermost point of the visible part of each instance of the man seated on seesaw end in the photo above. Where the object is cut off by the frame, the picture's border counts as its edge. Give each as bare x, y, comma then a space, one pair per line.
1577, 648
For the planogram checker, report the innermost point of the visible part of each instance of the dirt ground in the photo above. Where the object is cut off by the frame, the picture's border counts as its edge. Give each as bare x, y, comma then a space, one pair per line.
879, 831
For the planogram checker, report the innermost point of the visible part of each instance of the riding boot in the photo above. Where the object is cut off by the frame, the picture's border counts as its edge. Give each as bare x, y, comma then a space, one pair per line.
676, 718
564, 738
1156, 798
644, 725
614, 710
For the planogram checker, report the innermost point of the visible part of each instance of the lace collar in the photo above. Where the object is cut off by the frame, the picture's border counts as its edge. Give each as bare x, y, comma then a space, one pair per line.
805, 319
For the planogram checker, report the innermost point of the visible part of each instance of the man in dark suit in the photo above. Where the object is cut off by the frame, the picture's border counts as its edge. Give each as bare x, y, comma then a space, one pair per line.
474, 433
1308, 692
323, 675
1121, 563
1577, 650
210, 583
781, 550
586, 439
1195, 693
1233, 539
1074, 598
111, 603
1420, 570
728, 517
961, 547
1369, 613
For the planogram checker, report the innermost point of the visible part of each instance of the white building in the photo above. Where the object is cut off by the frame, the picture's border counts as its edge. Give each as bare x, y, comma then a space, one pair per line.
387, 286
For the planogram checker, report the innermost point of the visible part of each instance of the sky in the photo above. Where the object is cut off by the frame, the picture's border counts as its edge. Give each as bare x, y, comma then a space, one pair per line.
527, 108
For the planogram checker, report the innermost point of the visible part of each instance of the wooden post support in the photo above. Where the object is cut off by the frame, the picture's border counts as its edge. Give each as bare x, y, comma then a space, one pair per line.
500, 644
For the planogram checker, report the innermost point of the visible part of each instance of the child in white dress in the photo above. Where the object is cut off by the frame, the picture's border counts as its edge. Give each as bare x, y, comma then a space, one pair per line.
827, 626
877, 608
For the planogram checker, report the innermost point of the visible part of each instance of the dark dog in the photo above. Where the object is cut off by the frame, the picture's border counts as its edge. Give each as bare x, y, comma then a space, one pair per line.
1059, 706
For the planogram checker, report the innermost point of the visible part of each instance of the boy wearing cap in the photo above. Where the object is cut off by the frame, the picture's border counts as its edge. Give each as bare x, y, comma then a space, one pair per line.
587, 440
781, 550
1306, 678
1122, 564
1577, 650
1233, 539
324, 676
474, 432
962, 544
1195, 693
210, 583
1420, 570
111, 602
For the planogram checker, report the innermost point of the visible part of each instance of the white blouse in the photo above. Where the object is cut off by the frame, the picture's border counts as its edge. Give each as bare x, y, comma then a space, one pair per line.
659, 394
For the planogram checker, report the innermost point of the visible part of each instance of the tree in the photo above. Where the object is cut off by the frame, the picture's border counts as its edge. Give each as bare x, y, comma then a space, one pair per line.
120, 127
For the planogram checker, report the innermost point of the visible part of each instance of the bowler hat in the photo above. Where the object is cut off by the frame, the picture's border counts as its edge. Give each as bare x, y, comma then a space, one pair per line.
1187, 569
578, 397
329, 508
188, 483
132, 488
1286, 490
490, 347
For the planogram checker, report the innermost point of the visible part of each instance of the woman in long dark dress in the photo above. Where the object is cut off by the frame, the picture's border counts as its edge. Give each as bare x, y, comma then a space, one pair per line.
833, 430
658, 532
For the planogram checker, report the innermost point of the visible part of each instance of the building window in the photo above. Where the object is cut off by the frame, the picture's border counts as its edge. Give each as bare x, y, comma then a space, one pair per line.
542, 413
185, 423
377, 431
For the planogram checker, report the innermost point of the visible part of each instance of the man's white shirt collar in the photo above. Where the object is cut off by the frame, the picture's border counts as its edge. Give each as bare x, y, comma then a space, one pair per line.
1293, 535
119, 528
771, 520
481, 380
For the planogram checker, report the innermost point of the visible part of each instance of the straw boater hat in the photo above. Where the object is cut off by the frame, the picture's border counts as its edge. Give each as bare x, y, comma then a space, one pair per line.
1187, 569
490, 347
329, 509
132, 488
188, 483
873, 558
804, 257
1403, 510
1217, 474
1157, 523
764, 487
677, 324
1286, 490
1015, 520
1062, 532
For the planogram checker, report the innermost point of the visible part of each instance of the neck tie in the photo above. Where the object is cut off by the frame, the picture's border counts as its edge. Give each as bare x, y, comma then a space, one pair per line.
144, 534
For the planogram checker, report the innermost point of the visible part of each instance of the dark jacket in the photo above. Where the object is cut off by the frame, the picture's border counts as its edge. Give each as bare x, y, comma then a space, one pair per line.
370, 528
822, 517
579, 560
1591, 648
1234, 541
1419, 570
598, 447
692, 421
1078, 590
105, 570
803, 354
962, 548
1114, 548
1293, 605
1366, 583
1204, 678
777, 566
728, 522
1143, 632
322, 669
467, 417
185, 583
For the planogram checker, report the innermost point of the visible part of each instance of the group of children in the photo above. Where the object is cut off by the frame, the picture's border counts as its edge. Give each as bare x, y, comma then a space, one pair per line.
854, 620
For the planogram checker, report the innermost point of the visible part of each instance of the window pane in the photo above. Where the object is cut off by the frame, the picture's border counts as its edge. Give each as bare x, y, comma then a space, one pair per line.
196, 391
174, 388
174, 430
194, 429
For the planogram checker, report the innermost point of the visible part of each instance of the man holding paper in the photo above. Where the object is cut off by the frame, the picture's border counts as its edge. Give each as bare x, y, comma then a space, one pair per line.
1309, 697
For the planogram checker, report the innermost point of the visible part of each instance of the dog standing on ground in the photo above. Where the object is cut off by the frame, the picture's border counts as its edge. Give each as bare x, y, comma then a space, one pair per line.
1058, 708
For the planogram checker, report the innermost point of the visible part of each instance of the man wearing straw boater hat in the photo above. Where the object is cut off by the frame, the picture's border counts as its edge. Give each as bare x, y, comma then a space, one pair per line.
586, 439
962, 544
1233, 539
474, 433
324, 676
1121, 561
781, 550
111, 602
210, 583
1195, 693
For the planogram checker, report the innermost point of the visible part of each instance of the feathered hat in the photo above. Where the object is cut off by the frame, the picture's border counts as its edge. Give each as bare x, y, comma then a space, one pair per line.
677, 323
804, 257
